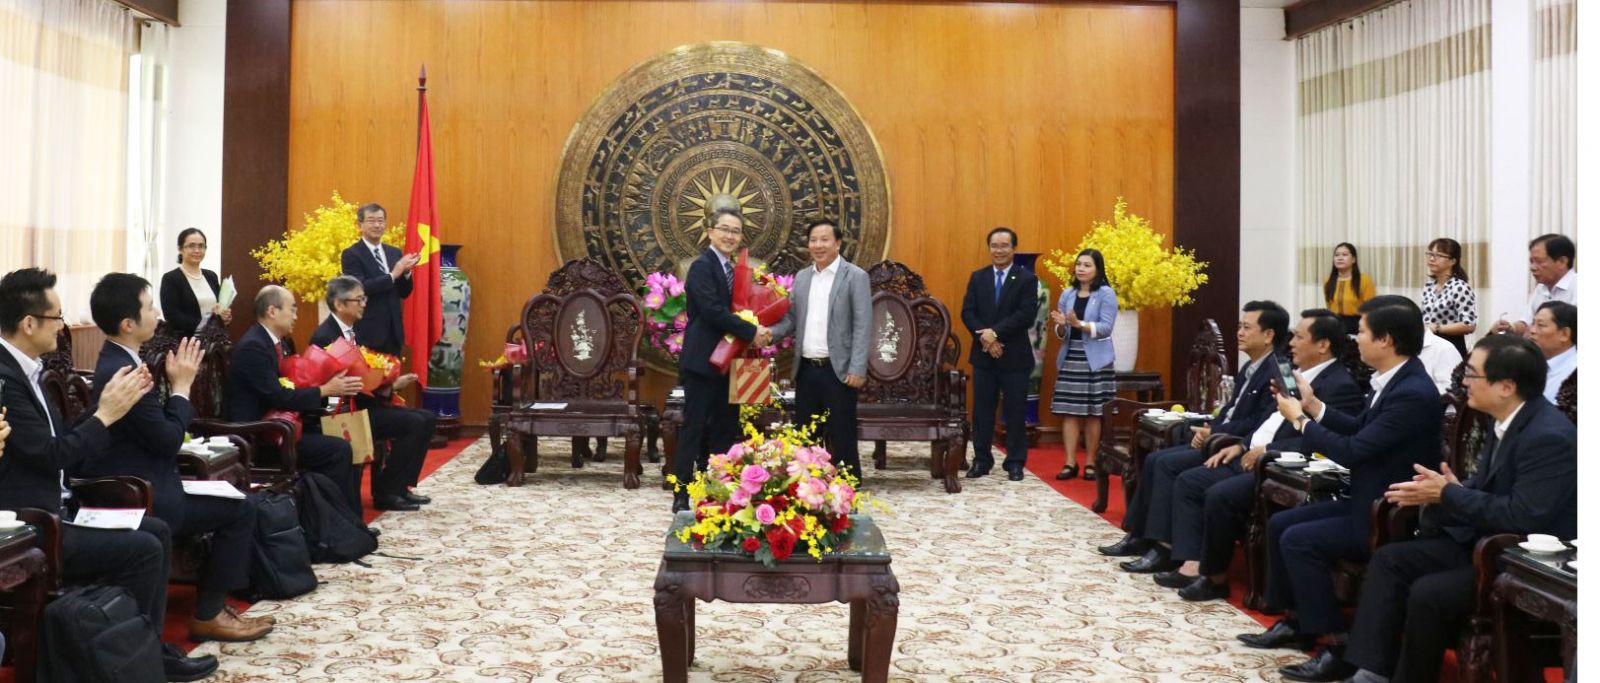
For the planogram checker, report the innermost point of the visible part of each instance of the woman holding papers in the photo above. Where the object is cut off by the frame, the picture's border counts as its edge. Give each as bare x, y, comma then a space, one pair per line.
190, 295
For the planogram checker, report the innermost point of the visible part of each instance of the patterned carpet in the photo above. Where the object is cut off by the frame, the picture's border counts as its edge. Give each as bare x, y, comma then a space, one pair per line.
552, 582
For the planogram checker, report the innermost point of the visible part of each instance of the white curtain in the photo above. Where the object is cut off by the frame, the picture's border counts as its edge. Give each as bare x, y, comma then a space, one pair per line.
64, 83
1393, 141
1555, 119
148, 114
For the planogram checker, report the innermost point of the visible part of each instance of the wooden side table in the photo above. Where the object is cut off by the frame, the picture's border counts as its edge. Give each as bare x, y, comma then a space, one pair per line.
1279, 488
22, 577
858, 574
1145, 385
1533, 588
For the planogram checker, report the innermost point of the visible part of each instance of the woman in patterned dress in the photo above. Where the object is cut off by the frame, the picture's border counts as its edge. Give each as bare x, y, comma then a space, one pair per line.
1449, 306
1085, 378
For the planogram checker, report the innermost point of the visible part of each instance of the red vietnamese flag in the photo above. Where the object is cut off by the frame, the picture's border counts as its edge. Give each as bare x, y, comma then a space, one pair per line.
424, 319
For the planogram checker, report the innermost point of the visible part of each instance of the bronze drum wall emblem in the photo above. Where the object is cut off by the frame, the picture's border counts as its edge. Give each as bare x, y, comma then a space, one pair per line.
713, 125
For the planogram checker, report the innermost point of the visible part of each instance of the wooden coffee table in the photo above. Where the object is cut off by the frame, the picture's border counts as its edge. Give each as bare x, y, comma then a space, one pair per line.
858, 574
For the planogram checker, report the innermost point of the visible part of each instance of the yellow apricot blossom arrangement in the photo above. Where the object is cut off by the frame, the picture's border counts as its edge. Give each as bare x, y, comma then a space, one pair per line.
1142, 272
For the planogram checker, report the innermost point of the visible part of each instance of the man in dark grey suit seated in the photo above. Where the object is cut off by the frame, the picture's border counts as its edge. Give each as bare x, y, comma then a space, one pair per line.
1418, 593
831, 320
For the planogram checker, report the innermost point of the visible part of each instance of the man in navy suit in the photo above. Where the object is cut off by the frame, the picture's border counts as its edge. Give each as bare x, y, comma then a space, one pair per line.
1263, 328
1001, 305
1418, 593
254, 389
385, 275
145, 444
710, 423
409, 429
42, 445
1212, 504
1398, 429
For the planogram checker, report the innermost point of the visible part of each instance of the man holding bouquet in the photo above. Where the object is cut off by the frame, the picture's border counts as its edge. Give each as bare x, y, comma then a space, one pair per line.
407, 429
710, 423
832, 321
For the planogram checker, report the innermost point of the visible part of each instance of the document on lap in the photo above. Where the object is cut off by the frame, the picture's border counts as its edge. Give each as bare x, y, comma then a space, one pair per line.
108, 518
215, 489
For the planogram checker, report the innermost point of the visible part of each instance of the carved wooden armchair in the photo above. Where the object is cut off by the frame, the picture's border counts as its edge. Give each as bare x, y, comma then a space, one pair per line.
914, 391
583, 355
1117, 452
206, 397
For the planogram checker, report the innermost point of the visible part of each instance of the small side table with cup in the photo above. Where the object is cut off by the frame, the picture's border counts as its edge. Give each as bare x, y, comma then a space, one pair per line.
1538, 582
218, 458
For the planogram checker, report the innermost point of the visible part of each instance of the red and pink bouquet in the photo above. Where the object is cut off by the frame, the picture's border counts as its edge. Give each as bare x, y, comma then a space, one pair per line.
318, 365
759, 302
769, 496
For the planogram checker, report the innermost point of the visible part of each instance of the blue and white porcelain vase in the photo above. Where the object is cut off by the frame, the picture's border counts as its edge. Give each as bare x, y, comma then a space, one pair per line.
445, 362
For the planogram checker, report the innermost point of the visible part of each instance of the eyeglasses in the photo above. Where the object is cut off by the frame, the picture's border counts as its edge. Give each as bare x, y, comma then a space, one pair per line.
43, 317
373, 221
356, 299
1472, 375
1436, 255
730, 231
195, 246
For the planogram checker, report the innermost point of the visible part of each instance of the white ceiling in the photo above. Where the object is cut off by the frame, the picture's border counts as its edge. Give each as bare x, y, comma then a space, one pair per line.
1275, 4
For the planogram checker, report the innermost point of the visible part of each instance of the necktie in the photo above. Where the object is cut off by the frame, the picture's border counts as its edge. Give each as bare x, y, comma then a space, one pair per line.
377, 253
1491, 446
350, 335
999, 280
729, 267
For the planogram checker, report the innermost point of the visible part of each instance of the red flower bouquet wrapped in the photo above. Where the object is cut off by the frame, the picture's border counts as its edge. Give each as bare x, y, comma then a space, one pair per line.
759, 303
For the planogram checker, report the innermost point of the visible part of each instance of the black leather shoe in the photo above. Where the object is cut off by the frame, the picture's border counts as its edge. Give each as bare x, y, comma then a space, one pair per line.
416, 498
181, 667
1157, 559
680, 502
1202, 589
1129, 546
1326, 666
1173, 579
974, 473
1281, 635
394, 503
1014, 475
1068, 472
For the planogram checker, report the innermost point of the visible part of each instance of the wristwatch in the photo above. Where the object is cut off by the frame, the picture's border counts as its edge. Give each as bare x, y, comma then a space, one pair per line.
1300, 422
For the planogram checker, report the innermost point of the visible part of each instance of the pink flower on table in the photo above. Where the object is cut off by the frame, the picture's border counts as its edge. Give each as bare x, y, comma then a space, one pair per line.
754, 476
740, 497
765, 514
813, 492
842, 494
656, 280
654, 299
675, 288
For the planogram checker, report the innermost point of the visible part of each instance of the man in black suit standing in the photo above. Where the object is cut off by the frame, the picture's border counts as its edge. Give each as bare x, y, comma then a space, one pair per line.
253, 390
409, 429
1418, 593
1211, 505
41, 446
710, 423
1000, 306
1399, 429
1263, 328
385, 275
145, 444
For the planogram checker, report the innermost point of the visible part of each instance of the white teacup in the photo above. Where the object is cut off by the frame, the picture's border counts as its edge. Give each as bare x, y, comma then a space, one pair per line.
1155, 412
1291, 457
1545, 541
218, 441
7, 517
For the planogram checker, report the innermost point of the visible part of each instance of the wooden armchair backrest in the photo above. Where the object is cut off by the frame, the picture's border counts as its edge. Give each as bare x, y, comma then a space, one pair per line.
911, 338
582, 335
1208, 364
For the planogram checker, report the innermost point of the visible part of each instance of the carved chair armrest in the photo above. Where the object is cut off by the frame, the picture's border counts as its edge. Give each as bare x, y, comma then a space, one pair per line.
635, 372
956, 393
1486, 566
119, 491
1217, 442
48, 528
277, 433
1391, 523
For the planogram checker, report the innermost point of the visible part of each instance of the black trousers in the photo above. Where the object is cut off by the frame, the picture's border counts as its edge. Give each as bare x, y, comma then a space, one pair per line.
710, 423
408, 430
136, 560
1190, 494
330, 457
1226, 519
233, 523
1008, 390
817, 390
1416, 597
1150, 513
1303, 545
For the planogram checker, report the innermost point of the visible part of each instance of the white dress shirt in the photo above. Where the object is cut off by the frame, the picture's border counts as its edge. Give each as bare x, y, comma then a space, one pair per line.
1562, 365
1378, 382
1263, 434
1439, 358
1566, 289
814, 339
31, 369
377, 252
203, 295
346, 331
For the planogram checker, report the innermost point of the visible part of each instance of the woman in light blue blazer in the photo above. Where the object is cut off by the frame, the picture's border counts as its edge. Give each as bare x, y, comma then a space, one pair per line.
1085, 378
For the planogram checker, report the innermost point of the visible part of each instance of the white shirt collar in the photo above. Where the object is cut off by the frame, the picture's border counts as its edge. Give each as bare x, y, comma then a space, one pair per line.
1002, 271
1565, 283
1500, 426
725, 260
371, 246
833, 268
270, 335
1317, 369
344, 330
30, 366
137, 361
1381, 379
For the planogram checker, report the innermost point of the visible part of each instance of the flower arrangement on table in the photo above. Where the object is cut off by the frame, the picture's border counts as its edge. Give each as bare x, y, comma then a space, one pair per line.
770, 495
1143, 273
304, 260
666, 319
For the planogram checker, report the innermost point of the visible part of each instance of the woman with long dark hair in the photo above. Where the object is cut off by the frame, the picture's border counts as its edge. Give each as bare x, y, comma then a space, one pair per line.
1085, 378
1346, 289
189, 292
1449, 306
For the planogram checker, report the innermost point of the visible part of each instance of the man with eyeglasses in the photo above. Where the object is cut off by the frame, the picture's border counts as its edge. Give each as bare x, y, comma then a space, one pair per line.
42, 445
710, 423
385, 275
409, 429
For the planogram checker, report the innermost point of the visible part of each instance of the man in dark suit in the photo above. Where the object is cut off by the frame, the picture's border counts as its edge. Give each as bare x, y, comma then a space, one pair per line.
253, 390
1418, 593
409, 429
831, 320
42, 445
1212, 504
1398, 429
385, 275
1001, 305
1263, 328
145, 444
710, 423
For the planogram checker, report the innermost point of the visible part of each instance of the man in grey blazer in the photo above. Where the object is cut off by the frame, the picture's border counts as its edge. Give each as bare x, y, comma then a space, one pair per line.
830, 346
